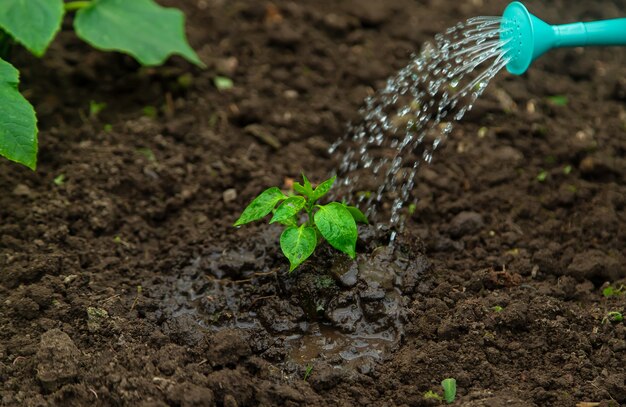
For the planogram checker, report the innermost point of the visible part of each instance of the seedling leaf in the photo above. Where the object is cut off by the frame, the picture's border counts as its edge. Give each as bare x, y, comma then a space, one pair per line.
323, 188
614, 316
308, 371
261, 206
141, 28
223, 83
558, 100
542, 176
431, 395
358, 216
299, 188
298, 244
59, 180
306, 189
611, 291
18, 123
307, 183
288, 209
338, 227
33, 23
449, 390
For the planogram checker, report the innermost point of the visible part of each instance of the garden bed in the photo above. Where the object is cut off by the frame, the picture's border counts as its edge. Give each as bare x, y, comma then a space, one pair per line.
497, 280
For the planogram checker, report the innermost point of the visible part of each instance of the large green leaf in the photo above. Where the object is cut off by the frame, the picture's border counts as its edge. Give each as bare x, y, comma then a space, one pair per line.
338, 227
33, 23
18, 123
298, 244
288, 209
261, 206
141, 28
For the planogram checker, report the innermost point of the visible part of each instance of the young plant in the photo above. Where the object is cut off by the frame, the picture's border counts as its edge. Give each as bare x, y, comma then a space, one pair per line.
141, 28
431, 395
613, 316
449, 389
612, 291
335, 222
308, 371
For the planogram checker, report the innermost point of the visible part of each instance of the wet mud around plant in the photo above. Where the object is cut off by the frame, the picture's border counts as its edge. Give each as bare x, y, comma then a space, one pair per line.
123, 282
333, 309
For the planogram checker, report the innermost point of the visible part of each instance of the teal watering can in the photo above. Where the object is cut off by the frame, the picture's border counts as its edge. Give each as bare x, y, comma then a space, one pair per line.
527, 37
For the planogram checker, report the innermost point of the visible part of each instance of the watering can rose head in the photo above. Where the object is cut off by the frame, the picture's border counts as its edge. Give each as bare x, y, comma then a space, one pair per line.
526, 37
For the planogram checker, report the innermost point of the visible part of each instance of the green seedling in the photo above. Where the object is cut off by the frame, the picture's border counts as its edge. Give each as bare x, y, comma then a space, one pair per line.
613, 316
567, 169
223, 83
542, 176
308, 371
335, 222
185, 80
118, 240
431, 395
140, 28
148, 153
59, 180
497, 308
95, 108
611, 291
449, 389
558, 100
150, 112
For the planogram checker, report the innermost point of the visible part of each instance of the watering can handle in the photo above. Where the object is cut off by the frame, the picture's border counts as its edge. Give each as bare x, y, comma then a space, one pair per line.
605, 32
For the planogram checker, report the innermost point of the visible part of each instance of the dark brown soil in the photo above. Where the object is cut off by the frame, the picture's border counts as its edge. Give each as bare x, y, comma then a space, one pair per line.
126, 285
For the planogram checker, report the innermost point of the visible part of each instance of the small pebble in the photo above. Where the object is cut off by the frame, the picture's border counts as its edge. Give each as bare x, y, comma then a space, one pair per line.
229, 195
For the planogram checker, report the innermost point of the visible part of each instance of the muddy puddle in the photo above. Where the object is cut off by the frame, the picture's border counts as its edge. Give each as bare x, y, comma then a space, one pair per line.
343, 312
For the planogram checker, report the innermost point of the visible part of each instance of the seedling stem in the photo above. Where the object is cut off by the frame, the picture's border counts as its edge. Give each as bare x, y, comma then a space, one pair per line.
76, 5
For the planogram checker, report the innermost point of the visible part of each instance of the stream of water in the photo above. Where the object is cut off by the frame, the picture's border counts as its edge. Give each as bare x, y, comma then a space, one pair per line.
403, 124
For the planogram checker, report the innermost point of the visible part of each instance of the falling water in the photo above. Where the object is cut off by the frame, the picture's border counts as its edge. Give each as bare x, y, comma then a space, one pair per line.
404, 123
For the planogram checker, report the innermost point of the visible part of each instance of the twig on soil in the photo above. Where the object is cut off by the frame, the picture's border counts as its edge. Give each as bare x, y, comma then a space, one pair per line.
139, 289
93, 392
249, 151
162, 380
245, 280
111, 298
17, 359
261, 299
591, 382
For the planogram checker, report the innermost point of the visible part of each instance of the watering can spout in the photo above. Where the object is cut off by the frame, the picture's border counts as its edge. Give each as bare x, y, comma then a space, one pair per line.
526, 37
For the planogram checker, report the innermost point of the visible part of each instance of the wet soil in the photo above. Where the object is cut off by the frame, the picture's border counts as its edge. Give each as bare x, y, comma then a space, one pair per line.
124, 284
